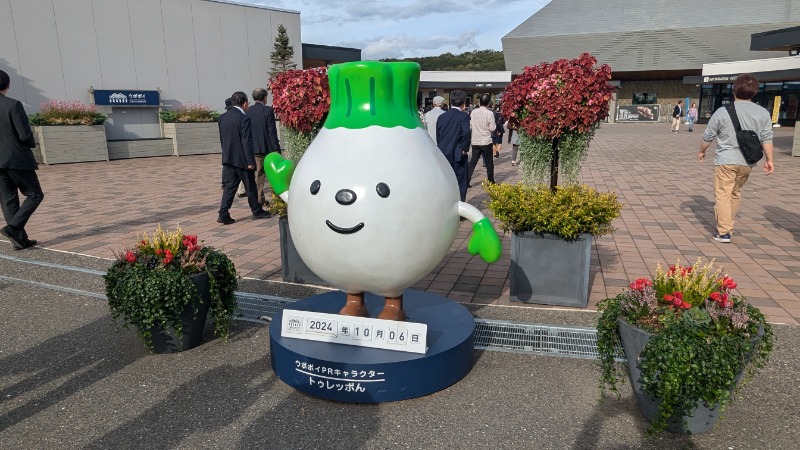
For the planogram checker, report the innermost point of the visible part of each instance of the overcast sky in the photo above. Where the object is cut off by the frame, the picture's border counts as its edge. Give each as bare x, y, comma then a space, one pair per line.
408, 28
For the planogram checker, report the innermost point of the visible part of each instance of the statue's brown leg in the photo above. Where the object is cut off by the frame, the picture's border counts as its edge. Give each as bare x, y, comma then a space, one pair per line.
393, 309
354, 306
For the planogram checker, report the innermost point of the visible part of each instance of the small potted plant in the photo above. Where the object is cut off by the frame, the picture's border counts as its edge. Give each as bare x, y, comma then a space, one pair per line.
552, 238
69, 131
192, 128
301, 99
688, 341
166, 284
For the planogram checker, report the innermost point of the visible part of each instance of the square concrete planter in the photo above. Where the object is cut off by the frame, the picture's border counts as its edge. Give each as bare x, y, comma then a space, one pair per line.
201, 138
548, 270
293, 267
60, 144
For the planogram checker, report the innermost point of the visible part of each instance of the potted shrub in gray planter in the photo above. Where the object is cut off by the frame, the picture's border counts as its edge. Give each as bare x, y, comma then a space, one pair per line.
193, 129
69, 132
688, 341
166, 284
301, 99
557, 108
552, 238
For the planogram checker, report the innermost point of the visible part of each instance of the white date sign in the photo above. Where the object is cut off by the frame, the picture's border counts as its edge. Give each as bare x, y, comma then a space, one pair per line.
359, 331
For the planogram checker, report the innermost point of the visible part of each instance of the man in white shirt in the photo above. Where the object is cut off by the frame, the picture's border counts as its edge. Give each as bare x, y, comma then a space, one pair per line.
432, 115
482, 125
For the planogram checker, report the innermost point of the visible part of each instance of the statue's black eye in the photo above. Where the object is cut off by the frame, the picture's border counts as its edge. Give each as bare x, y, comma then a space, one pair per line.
383, 189
315, 187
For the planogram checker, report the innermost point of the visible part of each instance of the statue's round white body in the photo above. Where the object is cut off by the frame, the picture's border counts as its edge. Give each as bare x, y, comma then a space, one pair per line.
362, 241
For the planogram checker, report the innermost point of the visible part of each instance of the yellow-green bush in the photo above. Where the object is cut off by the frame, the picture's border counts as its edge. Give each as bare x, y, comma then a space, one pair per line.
568, 212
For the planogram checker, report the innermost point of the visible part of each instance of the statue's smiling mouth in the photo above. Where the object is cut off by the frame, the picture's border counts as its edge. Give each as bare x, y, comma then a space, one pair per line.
341, 230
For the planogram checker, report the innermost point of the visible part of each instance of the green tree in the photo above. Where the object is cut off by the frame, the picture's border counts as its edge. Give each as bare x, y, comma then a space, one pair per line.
480, 60
282, 54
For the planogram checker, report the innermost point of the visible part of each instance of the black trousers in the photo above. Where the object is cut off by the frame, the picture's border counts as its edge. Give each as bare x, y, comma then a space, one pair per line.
488, 159
231, 176
461, 169
13, 181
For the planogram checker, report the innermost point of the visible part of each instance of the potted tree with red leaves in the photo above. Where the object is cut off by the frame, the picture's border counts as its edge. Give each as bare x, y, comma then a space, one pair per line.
558, 107
301, 99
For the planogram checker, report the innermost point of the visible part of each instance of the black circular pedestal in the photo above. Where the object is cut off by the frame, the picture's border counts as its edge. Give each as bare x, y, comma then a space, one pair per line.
368, 375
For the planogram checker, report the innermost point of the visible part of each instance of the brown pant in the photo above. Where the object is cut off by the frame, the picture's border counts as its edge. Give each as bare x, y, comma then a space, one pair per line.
676, 124
728, 182
263, 187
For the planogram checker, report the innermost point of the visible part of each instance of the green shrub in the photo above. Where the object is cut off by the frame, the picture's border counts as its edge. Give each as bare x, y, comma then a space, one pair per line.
566, 212
190, 113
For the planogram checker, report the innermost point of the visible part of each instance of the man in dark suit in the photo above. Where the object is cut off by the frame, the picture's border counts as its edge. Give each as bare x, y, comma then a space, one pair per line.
238, 161
453, 138
265, 139
17, 168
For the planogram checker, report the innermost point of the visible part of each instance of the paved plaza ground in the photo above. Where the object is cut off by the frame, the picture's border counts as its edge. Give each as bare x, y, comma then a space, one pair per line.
68, 380
98, 208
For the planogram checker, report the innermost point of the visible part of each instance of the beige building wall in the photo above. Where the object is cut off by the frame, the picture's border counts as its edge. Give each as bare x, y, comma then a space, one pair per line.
195, 51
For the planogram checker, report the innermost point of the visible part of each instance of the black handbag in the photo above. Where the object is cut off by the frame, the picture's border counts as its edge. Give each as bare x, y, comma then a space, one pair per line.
748, 140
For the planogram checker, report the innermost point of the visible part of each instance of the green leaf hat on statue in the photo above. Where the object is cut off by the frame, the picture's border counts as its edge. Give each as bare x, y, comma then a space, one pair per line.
373, 204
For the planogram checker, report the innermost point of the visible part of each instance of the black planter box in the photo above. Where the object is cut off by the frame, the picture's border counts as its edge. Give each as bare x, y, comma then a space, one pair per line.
164, 339
292, 265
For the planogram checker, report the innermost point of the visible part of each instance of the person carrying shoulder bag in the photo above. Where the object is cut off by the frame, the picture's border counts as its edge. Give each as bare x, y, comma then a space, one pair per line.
731, 168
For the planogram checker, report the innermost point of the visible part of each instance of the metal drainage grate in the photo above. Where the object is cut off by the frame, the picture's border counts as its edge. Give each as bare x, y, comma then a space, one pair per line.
574, 342
259, 308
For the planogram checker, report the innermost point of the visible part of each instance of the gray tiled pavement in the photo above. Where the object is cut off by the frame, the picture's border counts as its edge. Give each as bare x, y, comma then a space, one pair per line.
98, 208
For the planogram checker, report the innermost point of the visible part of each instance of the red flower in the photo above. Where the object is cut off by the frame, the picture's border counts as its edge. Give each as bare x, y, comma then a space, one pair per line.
728, 283
685, 305
130, 257
640, 284
158, 252
715, 296
301, 98
551, 99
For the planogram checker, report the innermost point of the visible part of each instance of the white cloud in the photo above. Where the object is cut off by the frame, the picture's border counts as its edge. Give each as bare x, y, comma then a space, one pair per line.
408, 28
404, 45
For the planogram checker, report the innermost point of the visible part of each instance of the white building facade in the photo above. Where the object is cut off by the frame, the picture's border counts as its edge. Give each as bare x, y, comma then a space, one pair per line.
193, 51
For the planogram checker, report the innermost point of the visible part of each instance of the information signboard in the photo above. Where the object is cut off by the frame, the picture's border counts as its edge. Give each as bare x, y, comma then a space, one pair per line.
638, 113
358, 331
122, 97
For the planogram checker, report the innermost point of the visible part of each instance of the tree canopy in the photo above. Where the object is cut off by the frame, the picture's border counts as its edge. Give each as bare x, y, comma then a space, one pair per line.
480, 60
282, 54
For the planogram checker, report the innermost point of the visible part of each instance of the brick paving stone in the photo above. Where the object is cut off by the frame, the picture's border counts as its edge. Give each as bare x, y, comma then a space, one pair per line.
96, 208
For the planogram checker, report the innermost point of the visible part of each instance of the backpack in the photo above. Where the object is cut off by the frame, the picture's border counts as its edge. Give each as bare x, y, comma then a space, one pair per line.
748, 140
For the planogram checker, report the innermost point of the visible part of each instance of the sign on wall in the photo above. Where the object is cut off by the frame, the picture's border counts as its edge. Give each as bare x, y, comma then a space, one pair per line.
638, 113
121, 97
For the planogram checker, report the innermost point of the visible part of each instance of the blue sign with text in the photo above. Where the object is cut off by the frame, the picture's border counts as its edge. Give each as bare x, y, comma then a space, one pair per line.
126, 98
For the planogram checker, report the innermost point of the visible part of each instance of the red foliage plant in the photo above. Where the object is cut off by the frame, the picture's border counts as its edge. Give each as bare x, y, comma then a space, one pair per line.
301, 98
551, 99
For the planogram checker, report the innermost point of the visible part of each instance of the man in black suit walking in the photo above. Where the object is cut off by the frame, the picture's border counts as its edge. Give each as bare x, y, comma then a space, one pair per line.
453, 137
238, 161
265, 139
17, 168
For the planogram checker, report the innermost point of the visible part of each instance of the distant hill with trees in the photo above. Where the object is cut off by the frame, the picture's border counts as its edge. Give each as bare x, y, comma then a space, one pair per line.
481, 60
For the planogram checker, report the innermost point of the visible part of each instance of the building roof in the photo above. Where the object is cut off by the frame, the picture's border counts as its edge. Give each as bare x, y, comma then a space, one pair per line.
674, 37
464, 79
570, 17
254, 5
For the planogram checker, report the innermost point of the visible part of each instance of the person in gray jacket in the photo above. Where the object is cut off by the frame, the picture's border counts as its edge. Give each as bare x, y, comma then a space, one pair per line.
731, 170
17, 168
